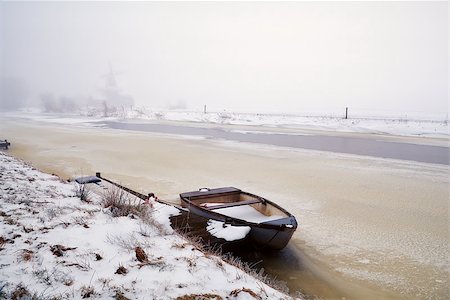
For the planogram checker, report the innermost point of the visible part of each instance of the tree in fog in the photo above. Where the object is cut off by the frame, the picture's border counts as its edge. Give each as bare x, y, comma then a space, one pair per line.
50, 103
13, 93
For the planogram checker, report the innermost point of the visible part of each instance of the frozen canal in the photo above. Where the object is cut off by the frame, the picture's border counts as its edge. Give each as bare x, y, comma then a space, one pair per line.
339, 144
369, 228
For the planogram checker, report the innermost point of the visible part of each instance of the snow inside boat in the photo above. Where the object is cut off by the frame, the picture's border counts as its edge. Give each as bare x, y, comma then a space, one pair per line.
270, 225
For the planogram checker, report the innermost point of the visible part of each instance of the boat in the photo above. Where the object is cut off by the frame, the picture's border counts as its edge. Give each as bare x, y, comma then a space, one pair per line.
271, 226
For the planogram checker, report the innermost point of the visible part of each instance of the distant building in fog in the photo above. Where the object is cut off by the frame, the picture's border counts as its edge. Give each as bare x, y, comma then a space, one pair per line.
113, 95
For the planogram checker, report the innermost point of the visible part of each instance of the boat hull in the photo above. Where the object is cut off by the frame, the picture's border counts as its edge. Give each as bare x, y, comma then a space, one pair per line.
266, 238
273, 235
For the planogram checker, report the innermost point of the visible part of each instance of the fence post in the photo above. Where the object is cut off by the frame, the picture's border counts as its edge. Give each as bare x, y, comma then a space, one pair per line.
346, 113
204, 109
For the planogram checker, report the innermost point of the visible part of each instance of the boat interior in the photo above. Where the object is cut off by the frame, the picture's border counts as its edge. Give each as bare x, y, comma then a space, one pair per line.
234, 199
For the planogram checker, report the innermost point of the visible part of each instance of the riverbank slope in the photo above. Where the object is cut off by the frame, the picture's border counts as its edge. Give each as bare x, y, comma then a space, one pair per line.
54, 245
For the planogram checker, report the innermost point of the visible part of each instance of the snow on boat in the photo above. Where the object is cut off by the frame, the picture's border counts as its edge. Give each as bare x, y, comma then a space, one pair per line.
270, 225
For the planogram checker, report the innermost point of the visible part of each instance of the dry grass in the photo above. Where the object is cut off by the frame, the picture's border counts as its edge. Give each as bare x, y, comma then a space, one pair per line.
191, 263
83, 192
121, 270
49, 277
20, 292
10, 221
200, 297
105, 282
2, 242
141, 255
87, 291
27, 255
120, 296
180, 245
58, 250
121, 204
236, 292
195, 241
129, 242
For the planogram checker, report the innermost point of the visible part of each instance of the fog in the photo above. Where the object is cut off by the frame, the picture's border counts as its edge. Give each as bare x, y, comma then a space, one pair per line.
240, 56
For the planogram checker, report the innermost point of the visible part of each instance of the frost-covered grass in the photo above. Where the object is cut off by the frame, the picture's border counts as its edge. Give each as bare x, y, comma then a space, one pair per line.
53, 245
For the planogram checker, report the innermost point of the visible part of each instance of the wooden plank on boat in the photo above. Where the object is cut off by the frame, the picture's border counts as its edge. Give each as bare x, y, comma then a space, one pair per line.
210, 192
232, 204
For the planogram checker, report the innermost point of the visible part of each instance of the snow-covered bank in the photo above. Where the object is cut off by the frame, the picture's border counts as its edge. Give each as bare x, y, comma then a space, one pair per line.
52, 244
390, 125
400, 125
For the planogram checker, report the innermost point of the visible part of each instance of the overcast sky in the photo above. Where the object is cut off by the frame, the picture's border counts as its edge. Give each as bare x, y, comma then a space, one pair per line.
254, 56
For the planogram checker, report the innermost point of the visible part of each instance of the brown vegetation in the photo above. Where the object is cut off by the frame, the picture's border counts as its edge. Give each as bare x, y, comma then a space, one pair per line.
121, 270
87, 292
20, 293
120, 203
200, 297
236, 292
58, 250
27, 255
120, 296
2, 242
140, 255
83, 192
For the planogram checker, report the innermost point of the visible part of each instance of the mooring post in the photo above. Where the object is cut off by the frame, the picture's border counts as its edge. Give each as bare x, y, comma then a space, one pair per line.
346, 112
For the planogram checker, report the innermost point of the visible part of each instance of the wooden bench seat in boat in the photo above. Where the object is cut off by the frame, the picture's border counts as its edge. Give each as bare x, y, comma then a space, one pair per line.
232, 204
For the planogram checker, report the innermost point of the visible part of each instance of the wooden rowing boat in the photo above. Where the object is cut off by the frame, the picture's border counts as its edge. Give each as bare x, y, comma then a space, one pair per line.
271, 226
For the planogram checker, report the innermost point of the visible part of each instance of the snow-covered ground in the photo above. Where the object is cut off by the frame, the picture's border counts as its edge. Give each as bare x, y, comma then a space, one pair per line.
53, 245
390, 124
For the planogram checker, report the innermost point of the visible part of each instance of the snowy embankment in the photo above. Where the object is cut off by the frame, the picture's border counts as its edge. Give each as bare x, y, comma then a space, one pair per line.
54, 245
418, 124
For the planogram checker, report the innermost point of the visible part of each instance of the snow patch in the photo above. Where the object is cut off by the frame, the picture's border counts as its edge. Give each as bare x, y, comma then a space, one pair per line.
247, 213
226, 231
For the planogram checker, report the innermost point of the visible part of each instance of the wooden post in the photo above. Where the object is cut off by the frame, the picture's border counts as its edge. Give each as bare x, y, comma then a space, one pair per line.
98, 175
204, 109
346, 113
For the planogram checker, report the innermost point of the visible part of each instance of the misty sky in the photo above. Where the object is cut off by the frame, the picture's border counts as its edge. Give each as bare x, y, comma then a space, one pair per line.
255, 56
